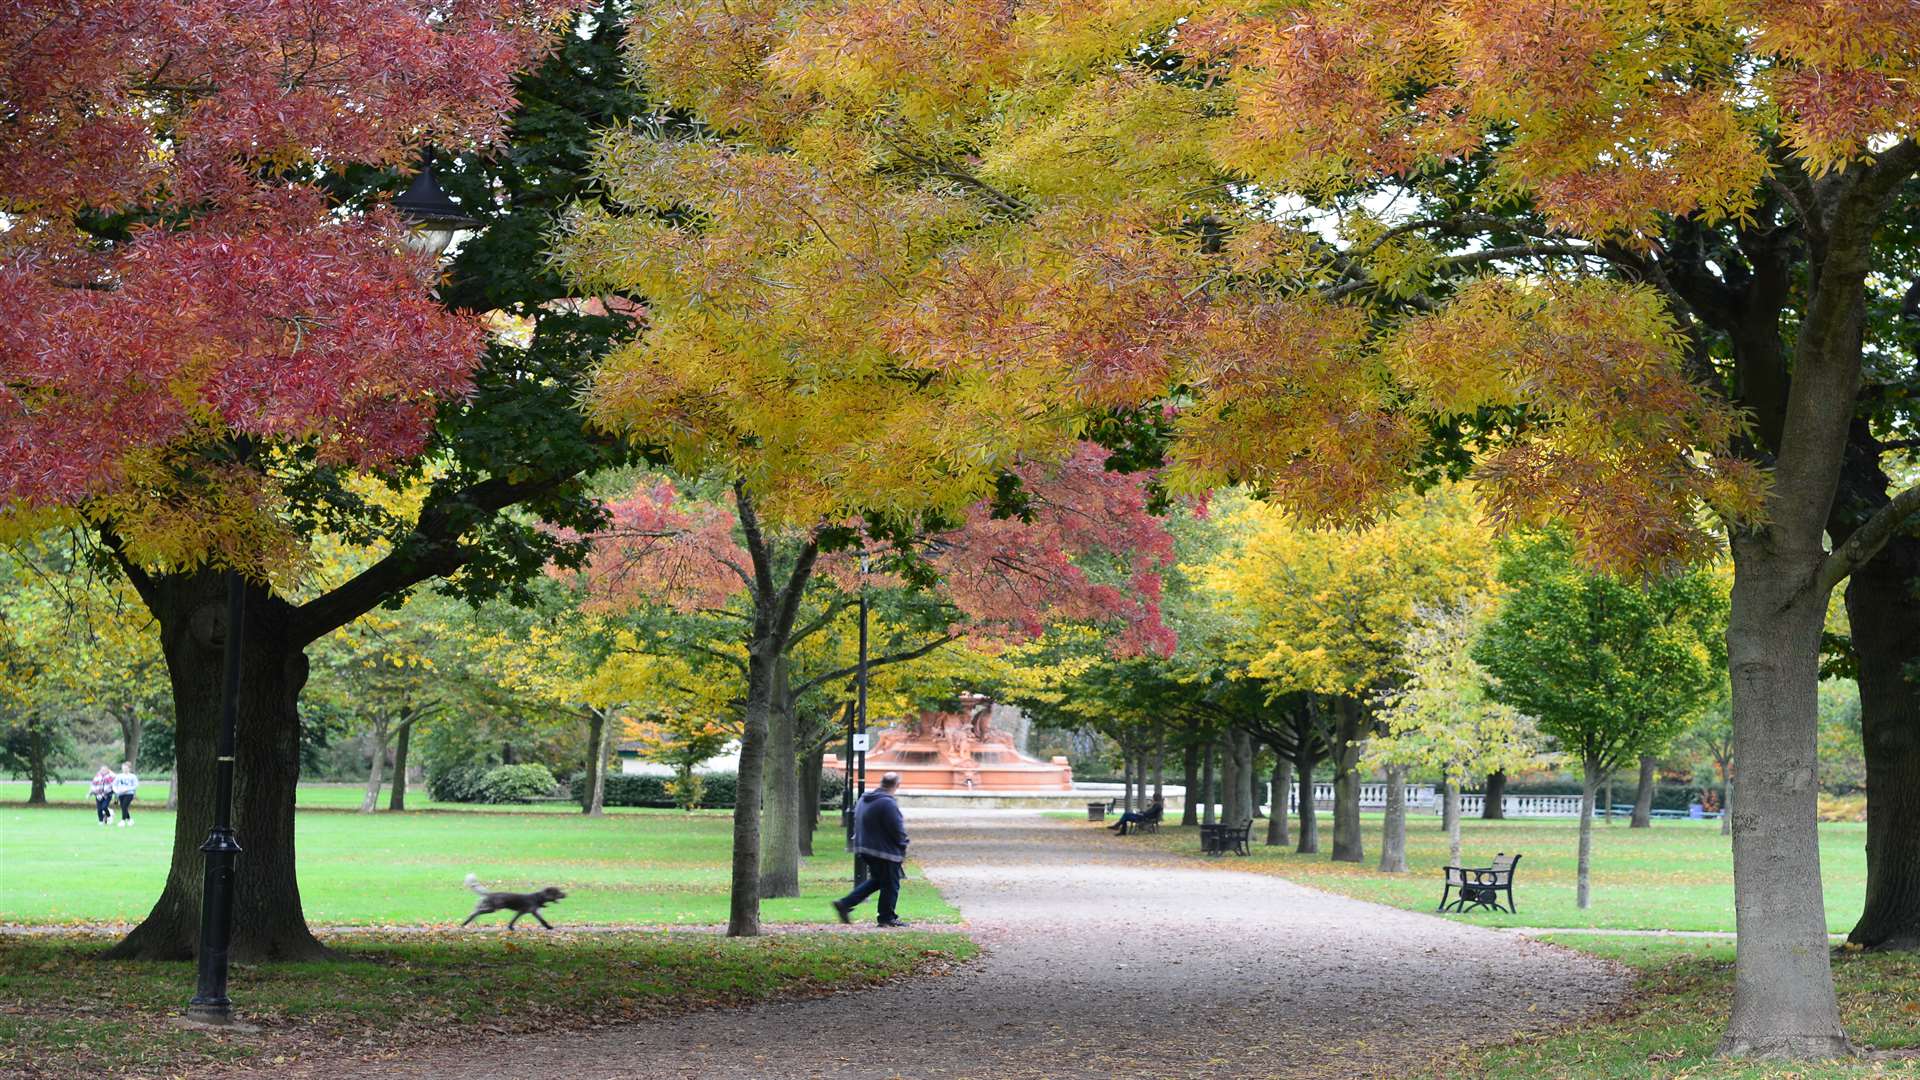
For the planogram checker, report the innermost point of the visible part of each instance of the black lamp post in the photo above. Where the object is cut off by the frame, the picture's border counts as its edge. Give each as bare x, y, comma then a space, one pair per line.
210, 1004
857, 737
434, 219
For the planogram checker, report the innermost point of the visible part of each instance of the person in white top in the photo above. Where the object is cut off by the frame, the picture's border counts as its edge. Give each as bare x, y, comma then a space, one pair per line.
125, 783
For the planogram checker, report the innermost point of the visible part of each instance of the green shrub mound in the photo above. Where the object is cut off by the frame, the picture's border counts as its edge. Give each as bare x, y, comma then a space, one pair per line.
717, 792
493, 784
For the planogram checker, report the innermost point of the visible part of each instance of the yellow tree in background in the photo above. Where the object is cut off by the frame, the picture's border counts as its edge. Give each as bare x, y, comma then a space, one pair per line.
1442, 716
1330, 612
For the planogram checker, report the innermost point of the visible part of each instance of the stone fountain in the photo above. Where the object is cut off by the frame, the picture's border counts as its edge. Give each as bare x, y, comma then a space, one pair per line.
961, 751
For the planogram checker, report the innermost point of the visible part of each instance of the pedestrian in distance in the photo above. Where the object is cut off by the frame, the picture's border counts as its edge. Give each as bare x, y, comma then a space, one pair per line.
102, 791
880, 849
125, 783
1130, 820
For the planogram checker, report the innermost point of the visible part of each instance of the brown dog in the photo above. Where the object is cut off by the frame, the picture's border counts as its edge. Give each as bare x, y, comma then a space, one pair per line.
520, 903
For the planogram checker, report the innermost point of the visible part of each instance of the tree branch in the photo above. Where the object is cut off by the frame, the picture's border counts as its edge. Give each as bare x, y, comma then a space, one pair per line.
762, 557
433, 549
795, 588
834, 607
1867, 540
142, 581
874, 662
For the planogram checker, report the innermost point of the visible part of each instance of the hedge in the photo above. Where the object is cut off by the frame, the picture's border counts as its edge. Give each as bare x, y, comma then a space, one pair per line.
626, 790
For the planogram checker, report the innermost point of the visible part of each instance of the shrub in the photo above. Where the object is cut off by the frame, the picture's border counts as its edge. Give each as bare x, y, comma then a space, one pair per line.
516, 784
457, 783
1840, 807
719, 789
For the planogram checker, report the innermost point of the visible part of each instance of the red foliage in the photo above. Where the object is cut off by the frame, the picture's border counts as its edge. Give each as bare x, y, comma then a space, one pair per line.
1092, 553
251, 308
657, 549
1011, 578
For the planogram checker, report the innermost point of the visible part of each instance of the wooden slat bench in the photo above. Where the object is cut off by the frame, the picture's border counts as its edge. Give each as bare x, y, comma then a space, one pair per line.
1480, 887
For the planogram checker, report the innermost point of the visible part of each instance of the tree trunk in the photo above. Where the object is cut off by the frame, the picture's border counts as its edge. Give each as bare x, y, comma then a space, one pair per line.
810, 797
1233, 790
1249, 768
598, 731
1643, 797
1126, 781
743, 916
1883, 609
370, 801
1190, 776
1393, 833
1452, 814
1277, 817
1726, 807
1206, 788
397, 798
131, 726
780, 836
1347, 843
1303, 765
1449, 812
1494, 807
36, 763
1784, 1002
1589, 784
268, 923
1607, 814
1159, 766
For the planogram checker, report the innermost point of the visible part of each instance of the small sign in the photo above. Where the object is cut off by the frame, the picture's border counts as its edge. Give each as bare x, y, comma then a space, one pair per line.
860, 743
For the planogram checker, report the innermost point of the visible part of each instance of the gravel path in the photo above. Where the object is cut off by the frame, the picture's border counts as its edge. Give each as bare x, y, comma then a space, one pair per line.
1103, 959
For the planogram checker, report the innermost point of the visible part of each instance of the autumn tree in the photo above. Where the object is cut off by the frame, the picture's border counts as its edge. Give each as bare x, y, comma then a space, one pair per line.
989, 578
1440, 716
1331, 613
1612, 670
202, 344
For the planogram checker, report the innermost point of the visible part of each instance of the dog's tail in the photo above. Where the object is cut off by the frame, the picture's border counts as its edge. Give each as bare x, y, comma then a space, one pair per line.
473, 882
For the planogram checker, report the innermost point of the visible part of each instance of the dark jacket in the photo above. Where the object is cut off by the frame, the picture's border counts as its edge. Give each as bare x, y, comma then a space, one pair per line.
879, 829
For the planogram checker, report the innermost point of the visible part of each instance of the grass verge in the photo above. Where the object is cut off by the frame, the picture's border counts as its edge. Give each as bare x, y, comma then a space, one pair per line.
65, 1012
1668, 1027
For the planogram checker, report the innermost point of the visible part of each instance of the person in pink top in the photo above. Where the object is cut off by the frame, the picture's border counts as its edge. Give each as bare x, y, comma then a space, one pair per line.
102, 791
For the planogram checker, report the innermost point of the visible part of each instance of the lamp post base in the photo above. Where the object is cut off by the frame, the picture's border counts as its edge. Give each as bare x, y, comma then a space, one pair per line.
228, 1025
212, 1013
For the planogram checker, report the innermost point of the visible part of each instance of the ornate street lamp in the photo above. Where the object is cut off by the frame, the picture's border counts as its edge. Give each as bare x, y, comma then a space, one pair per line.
433, 216
434, 219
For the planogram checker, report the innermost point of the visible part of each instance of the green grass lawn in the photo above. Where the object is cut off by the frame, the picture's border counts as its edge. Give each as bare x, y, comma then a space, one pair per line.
308, 796
652, 867
1668, 1027
1677, 875
66, 1013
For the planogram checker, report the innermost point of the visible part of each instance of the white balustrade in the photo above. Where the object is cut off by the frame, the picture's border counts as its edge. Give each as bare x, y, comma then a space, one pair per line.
1372, 796
1472, 804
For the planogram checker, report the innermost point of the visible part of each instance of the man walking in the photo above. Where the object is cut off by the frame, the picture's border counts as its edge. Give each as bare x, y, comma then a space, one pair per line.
880, 847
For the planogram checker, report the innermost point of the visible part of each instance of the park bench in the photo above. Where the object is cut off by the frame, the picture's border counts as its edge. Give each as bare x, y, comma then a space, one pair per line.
1149, 823
1480, 887
1220, 839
